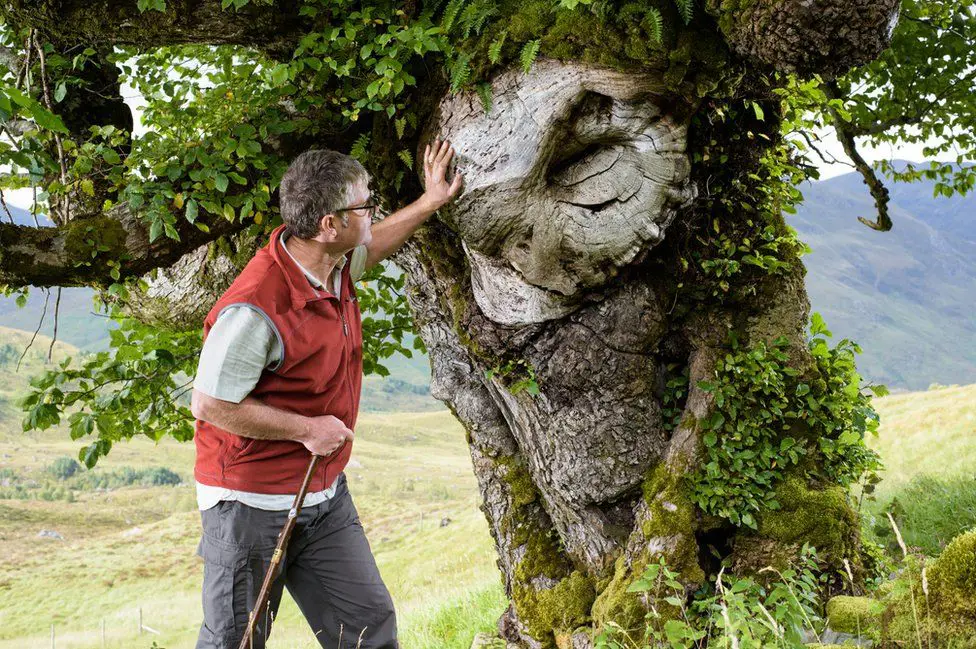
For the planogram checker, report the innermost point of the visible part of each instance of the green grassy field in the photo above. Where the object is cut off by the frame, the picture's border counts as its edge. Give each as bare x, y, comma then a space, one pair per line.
133, 548
928, 443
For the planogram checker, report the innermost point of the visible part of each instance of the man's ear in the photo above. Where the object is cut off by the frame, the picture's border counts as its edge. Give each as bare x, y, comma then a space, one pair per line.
327, 226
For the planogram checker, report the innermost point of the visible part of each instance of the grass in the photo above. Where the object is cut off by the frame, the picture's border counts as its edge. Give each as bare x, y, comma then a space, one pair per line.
134, 547
928, 443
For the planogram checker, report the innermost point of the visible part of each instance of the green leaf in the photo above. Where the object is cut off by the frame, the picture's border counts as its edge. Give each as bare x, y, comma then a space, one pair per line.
47, 120
111, 156
155, 230
221, 181
528, 55
191, 210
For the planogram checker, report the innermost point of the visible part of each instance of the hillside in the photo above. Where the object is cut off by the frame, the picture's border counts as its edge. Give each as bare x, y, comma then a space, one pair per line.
903, 295
126, 548
108, 552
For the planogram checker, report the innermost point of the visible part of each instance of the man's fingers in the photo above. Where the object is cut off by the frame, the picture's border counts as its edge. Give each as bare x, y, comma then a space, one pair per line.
444, 151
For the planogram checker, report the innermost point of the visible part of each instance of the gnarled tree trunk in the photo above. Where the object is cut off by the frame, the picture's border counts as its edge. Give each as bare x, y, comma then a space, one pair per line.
552, 299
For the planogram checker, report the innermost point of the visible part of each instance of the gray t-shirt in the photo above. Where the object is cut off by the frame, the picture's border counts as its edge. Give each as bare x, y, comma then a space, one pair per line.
240, 345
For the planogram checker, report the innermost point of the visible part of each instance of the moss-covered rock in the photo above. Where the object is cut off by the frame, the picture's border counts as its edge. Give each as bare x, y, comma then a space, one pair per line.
935, 599
860, 616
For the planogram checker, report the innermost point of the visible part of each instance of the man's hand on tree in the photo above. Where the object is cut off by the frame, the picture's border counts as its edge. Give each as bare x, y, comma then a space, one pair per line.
437, 160
325, 435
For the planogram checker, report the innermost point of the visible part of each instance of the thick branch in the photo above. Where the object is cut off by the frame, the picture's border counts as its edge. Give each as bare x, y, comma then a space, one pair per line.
119, 22
63, 256
807, 36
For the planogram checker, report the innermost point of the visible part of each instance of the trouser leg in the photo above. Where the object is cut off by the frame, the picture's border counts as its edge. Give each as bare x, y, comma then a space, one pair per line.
236, 546
335, 582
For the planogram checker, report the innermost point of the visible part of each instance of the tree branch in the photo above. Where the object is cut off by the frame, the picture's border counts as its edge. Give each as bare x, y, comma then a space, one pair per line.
878, 191
272, 28
63, 256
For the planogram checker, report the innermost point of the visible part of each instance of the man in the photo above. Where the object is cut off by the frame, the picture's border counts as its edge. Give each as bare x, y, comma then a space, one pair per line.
279, 379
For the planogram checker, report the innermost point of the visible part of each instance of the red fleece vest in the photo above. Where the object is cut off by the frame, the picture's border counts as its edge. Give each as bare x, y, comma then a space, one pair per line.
320, 374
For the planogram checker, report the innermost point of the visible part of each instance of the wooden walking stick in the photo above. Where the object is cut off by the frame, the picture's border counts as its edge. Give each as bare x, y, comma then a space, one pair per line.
269, 577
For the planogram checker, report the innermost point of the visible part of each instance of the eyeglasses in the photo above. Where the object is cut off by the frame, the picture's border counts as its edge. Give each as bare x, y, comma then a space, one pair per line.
372, 206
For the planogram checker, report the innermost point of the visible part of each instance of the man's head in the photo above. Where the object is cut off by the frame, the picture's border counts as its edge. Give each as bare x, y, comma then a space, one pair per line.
317, 193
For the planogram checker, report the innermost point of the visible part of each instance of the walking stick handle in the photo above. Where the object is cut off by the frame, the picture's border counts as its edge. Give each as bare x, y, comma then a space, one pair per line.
283, 537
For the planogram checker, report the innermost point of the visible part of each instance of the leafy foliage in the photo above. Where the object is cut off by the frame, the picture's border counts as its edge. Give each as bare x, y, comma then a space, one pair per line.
768, 418
138, 388
917, 91
743, 613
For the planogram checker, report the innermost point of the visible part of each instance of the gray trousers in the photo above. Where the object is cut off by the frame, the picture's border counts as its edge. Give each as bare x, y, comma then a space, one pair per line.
327, 567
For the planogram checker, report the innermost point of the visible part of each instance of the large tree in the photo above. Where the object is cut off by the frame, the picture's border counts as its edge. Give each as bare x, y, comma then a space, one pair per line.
614, 307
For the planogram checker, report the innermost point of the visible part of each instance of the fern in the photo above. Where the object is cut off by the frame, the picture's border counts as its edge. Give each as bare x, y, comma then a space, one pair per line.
451, 14
406, 157
495, 49
460, 71
473, 18
359, 147
485, 94
655, 24
529, 51
686, 8
400, 125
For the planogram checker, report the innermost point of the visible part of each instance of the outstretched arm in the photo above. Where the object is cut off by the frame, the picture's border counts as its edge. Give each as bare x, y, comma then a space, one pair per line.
390, 233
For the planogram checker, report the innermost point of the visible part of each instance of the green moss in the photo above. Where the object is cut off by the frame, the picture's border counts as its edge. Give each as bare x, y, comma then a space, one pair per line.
933, 600
614, 603
100, 235
822, 518
952, 585
544, 611
621, 38
668, 530
554, 610
859, 616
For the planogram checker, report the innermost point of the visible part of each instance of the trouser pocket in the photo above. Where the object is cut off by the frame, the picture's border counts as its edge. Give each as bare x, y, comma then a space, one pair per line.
227, 586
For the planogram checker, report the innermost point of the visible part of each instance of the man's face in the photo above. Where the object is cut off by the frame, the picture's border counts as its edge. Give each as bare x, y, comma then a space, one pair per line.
357, 232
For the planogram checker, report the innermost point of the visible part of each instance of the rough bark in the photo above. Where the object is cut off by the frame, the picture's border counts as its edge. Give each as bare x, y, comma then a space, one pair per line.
826, 37
272, 27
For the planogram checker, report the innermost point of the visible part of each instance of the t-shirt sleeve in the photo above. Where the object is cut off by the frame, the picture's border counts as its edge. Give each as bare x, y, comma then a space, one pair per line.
240, 345
357, 264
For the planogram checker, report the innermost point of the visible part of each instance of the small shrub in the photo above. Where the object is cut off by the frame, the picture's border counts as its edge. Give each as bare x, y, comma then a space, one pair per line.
159, 476
64, 467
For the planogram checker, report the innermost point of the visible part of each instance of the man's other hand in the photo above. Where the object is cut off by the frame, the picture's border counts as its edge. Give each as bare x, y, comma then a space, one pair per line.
325, 435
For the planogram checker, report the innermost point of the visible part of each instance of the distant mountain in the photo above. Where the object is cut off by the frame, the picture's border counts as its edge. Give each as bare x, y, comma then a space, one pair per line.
905, 296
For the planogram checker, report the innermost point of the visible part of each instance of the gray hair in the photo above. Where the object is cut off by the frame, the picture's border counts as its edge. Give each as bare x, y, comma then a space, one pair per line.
317, 183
